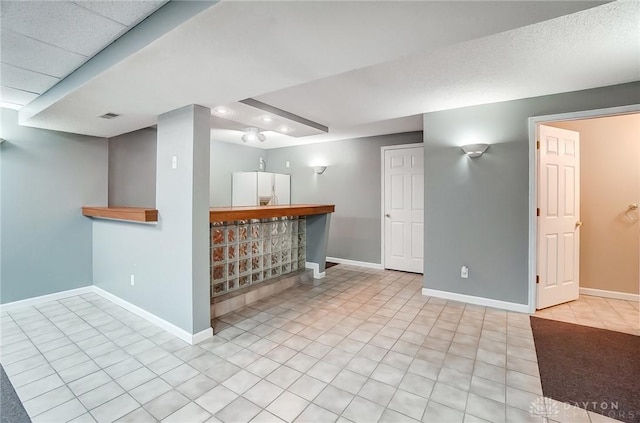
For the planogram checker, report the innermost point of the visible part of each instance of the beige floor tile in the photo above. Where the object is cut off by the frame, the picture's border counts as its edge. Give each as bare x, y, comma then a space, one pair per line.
359, 345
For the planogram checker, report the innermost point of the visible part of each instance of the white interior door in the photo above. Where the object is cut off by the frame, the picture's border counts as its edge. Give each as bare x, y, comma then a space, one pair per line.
558, 216
404, 209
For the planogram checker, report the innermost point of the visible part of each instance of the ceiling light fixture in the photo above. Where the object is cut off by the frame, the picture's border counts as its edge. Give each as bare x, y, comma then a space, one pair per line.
474, 150
252, 134
221, 111
284, 129
266, 119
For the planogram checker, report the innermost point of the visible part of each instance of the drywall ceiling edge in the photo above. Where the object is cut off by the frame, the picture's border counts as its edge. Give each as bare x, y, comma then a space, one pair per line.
163, 20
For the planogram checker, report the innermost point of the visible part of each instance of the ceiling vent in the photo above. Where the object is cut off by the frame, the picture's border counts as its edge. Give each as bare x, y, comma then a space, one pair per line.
109, 116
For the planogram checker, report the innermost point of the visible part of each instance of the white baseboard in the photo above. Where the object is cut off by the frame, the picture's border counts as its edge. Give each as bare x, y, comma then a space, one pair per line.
158, 321
355, 263
317, 274
610, 294
196, 338
45, 298
169, 327
488, 302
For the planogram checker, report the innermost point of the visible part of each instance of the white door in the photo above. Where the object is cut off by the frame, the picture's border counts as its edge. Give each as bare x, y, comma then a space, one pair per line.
558, 216
404, 209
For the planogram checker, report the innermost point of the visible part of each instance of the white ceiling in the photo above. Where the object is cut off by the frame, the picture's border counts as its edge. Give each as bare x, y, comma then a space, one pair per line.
361, 68
593, 48
44, 41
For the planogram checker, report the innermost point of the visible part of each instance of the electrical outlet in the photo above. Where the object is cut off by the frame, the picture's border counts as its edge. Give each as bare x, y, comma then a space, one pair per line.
287, 164
133, 280
174, 162
464, 272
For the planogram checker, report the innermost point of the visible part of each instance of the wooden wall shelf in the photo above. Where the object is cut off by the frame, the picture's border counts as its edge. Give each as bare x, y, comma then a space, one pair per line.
132, 214
227, 214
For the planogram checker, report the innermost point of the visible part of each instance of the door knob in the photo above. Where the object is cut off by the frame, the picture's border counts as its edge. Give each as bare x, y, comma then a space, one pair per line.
387, 215
631, 215
578, 224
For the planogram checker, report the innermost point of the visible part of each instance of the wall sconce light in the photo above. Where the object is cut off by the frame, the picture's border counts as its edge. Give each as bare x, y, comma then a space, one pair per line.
474, 150
252, 134
319, 170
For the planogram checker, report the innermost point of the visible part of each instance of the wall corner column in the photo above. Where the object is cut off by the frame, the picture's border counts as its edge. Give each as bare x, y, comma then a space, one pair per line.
182, 198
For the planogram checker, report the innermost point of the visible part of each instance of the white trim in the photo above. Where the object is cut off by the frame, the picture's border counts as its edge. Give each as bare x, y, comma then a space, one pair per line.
317, 274
356, 263
201, 336
488, 302
534, 121
610, 294
46, 298
169, 327
383, 149
158, 321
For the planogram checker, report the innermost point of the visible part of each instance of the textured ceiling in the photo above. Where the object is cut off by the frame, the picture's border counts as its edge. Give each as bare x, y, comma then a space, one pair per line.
44, 41
361, 68
593, 48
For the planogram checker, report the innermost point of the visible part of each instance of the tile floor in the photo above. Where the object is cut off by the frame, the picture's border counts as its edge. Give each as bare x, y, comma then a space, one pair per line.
361, 345
597, 312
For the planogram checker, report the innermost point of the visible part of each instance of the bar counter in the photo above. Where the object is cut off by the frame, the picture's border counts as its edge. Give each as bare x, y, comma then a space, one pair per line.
132, 214
259, 251
227, 214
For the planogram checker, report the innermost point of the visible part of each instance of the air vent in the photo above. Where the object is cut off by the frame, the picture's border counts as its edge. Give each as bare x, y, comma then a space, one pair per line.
109, 116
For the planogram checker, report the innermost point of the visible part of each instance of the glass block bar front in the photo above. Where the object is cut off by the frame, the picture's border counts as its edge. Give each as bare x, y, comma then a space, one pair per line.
248, 252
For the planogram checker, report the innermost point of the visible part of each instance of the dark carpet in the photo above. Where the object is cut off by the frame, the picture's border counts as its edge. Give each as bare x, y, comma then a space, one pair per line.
591, 368
11, 409
329, 264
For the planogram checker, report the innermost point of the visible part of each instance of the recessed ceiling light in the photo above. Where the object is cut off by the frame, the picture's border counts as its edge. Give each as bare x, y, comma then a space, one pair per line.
221, 111
266, 119
284, 129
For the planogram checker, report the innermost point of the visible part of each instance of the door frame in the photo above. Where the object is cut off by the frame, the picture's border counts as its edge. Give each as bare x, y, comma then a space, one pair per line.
384, 149
533, 178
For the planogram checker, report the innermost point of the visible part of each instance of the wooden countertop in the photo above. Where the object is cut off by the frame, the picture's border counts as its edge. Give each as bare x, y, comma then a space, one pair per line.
226, 214
133, 214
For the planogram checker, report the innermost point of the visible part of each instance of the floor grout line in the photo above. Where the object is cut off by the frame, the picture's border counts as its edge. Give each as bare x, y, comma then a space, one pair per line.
387, 306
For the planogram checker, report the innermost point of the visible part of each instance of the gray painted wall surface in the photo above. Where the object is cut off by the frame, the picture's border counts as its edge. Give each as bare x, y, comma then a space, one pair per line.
170, 260
200, 262
227, 158
318, 227
132, 169
46, 177
476, 210
351, 182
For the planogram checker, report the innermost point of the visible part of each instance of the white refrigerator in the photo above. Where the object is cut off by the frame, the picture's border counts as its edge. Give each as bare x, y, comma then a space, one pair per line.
260, 189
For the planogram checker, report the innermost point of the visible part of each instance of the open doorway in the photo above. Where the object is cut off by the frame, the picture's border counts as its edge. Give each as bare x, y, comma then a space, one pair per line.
587, 233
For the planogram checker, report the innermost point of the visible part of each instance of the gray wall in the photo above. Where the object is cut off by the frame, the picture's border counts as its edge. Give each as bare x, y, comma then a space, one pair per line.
476, 211
46, 177
132, 169
170, 260
351, 182
227, 158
